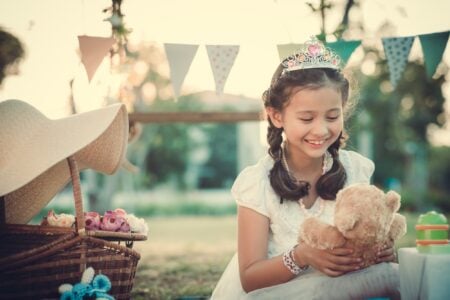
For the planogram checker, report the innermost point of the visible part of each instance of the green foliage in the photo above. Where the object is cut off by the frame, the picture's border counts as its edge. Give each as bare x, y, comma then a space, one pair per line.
399, 119
184, 208
167, 153
421, 101
163, 150
439, 194
220, 169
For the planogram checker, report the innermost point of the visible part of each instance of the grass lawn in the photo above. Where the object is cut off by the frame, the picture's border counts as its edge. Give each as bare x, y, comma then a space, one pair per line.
184, 257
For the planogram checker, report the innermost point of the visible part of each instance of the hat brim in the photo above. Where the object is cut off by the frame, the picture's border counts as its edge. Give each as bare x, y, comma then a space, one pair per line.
96, 138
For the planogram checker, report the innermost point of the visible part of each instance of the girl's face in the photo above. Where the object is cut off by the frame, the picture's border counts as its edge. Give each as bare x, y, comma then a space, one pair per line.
312, 120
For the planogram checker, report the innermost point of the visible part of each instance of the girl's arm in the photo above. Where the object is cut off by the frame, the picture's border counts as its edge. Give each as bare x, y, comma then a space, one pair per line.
257, 271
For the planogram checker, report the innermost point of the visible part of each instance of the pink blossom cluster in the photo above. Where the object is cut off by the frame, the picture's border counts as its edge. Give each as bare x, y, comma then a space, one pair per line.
112, 220
117, 220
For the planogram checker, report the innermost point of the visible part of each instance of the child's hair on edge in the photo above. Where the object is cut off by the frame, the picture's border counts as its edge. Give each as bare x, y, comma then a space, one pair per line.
277, 97
11, 52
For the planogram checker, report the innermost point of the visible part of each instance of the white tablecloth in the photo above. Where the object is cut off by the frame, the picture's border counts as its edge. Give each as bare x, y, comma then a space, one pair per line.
424, 276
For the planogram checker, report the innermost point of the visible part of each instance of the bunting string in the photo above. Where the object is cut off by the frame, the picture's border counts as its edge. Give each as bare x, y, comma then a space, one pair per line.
222, 57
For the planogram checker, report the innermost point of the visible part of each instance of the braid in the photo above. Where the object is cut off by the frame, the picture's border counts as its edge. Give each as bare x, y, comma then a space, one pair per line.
281, 181
330, 183
274, 138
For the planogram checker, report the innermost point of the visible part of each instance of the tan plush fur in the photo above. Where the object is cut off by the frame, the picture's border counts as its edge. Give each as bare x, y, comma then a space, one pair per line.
365, 218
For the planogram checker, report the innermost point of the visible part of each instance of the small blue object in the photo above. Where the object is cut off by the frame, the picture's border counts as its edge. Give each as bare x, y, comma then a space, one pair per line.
98, 289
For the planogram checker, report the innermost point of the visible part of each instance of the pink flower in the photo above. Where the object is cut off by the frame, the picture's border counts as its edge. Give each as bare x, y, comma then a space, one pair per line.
120, 212
92, 220
113, 221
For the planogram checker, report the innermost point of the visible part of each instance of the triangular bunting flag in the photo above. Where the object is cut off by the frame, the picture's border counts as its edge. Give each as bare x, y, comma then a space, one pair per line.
344, 49
93, 49
221, 58
180, 57
397, 51
433, 47
285, 50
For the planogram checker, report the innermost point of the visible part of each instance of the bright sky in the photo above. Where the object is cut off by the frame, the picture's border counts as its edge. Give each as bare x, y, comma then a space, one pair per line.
49, 30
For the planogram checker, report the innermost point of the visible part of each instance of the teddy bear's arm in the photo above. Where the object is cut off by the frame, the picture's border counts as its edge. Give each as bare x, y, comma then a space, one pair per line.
320, 235
398, 227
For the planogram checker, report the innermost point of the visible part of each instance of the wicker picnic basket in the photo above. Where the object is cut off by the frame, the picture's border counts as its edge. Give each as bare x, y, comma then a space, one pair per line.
35, 260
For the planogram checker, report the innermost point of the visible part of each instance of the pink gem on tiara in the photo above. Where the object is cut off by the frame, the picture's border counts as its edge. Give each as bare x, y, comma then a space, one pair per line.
313, 54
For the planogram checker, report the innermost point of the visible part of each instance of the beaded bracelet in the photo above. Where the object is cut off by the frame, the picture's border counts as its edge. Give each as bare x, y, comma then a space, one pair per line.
290, 263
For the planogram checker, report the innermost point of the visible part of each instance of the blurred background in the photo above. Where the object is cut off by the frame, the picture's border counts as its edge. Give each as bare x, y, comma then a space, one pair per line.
189, 141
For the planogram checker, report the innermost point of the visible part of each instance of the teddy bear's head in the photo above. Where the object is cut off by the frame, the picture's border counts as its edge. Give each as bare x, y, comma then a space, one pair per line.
364, 212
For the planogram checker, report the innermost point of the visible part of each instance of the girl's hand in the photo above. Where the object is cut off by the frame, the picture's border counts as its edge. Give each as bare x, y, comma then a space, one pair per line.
333, 262
386, 253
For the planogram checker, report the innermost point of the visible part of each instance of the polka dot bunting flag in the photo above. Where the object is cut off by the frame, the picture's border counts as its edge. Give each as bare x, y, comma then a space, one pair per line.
397, 51
221, 58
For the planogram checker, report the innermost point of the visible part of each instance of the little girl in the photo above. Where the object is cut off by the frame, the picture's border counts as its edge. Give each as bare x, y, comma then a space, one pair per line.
306, 105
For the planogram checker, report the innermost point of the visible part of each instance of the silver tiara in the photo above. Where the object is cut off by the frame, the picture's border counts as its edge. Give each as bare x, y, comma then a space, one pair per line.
312, 54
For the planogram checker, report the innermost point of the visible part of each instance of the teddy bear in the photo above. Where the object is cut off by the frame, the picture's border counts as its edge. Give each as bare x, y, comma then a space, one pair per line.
365, 219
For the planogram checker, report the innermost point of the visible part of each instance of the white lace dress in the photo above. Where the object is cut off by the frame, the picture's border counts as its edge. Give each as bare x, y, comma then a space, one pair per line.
252, 189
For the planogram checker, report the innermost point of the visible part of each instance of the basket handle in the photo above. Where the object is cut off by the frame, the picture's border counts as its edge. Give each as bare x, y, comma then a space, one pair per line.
75, 175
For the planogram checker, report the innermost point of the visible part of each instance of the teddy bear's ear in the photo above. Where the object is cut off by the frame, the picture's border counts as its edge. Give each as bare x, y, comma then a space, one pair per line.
393, 200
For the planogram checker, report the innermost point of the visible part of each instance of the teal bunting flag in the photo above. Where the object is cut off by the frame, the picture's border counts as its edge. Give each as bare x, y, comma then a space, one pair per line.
344, 49
397, 51
433, 47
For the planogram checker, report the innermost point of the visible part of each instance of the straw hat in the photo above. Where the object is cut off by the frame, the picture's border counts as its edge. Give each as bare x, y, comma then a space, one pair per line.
33, 152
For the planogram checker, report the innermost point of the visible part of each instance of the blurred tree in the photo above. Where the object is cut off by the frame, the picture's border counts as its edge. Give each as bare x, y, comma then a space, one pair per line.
164, 149
220, 169
393, 128
440, 177
167, 145
399, 121
325, 5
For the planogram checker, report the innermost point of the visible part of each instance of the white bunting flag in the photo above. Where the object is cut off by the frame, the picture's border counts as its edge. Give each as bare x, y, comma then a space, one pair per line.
180, 57
397, 51
93, 49
221, 58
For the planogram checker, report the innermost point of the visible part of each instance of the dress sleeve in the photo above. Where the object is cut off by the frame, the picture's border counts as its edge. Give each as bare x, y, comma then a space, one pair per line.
359, 168
250, 189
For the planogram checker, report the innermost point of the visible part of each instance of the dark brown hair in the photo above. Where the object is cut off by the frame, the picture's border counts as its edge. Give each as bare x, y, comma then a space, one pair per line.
277, 97
11, 51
